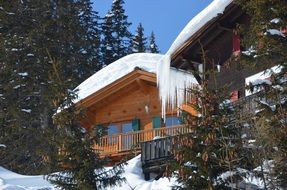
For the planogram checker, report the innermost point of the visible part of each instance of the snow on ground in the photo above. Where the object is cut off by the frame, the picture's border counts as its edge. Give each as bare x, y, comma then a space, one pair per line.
135, 178
12, 181
116, 70
133, 174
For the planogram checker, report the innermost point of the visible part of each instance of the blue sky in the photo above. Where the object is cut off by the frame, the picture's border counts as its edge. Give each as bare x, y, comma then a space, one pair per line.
165, 17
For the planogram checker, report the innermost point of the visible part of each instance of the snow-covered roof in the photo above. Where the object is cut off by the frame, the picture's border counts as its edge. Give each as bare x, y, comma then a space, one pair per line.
116, 70
197, 22
171, 85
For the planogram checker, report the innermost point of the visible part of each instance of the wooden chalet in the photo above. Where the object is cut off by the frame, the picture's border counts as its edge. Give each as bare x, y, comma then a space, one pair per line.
128, 106
219, 39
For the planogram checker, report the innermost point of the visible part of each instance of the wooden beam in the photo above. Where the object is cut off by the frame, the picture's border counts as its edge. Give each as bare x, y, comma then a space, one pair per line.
224, 28
206, 40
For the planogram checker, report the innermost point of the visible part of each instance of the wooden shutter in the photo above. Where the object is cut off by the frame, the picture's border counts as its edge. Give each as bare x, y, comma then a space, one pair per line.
136, 124
236, 44
156, 122
234, 96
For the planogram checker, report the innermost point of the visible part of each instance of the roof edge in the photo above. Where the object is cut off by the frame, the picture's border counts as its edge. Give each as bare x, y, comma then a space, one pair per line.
115, 86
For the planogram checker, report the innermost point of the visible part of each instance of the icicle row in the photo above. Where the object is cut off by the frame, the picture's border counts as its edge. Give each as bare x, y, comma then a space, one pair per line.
172, 85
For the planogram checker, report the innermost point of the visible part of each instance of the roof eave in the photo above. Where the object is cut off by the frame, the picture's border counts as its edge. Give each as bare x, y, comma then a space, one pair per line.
197, 34
116, 86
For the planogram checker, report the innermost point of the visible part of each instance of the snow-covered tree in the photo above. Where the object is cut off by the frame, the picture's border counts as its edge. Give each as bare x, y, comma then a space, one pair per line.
109, 54
25, 111
213, 148
267, 42
33, 33
153, 48
78, 163
139, 40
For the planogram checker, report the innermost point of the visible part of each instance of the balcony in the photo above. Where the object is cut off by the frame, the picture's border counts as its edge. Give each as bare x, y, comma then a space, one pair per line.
122, 143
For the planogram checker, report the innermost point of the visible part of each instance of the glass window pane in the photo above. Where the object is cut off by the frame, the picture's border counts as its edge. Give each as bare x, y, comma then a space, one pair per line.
127, 127
113, 129
171, 121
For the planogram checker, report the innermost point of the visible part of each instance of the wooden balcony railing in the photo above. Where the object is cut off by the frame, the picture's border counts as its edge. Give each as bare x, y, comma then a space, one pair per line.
247, 106
118, 143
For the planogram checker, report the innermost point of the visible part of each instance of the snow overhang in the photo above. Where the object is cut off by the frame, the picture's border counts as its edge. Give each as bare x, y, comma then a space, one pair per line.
115, 71
197, 23
173, 83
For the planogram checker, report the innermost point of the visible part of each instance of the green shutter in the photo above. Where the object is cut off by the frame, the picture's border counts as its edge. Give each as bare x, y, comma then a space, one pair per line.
156, 122
136, 124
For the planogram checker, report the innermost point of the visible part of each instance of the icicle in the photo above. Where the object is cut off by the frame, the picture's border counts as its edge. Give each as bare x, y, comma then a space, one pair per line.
163, 70
172, 85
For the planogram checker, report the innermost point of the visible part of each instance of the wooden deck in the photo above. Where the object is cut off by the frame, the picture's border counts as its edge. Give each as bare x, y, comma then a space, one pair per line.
121, 143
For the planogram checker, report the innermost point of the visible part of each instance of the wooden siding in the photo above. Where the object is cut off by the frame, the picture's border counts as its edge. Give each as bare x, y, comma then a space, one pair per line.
134, 96
128, 106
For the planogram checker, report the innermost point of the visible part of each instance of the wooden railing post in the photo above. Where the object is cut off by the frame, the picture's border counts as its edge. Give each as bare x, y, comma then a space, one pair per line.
119, 143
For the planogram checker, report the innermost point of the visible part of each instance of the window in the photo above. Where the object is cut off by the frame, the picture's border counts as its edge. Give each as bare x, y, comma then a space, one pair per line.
123, 127
172, 121
113, 129
127, 127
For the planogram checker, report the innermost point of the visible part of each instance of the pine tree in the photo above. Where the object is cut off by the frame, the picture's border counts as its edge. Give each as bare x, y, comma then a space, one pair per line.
90, 44
212, 148
266, 44
153, 48
214, 145
31, 32
139, 41
116, 38
25, 112
108, 47
79, 163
